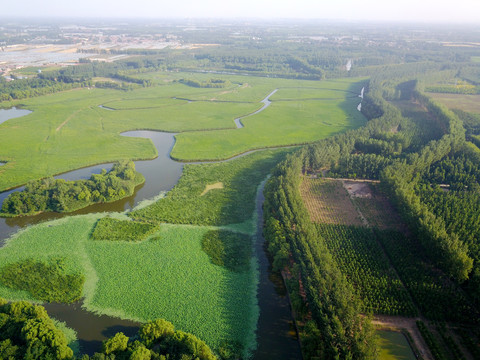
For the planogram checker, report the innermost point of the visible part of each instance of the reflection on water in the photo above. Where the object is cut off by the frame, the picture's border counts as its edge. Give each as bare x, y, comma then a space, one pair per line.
276, 334
91, 329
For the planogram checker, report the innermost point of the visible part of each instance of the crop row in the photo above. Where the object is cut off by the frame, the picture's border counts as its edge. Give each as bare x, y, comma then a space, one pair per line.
436, 296
362, 260
432, 343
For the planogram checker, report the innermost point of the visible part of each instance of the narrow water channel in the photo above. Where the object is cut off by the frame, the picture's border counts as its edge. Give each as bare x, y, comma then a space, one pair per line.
275, 333
266, 103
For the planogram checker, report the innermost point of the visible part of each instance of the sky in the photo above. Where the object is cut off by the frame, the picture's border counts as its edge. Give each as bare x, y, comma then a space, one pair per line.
451, 11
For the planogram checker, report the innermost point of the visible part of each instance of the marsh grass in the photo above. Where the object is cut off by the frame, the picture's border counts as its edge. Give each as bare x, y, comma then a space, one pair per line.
47, 281
122, 230
234, 204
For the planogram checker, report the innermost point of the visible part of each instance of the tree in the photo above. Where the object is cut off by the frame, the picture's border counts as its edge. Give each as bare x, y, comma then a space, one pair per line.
115, 344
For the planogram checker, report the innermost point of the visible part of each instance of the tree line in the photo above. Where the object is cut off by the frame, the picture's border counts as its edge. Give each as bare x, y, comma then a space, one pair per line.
66, 196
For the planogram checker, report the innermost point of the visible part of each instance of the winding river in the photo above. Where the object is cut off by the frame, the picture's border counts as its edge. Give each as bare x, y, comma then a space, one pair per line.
275, 332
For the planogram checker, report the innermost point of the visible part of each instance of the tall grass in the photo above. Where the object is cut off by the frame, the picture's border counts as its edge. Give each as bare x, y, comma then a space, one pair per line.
234, 204
122, 230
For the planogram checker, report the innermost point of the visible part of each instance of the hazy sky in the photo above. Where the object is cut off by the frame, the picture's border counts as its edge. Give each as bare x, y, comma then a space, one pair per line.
396, 10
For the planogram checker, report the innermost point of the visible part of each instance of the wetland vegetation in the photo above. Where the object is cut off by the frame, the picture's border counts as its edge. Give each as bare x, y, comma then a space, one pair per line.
406, 248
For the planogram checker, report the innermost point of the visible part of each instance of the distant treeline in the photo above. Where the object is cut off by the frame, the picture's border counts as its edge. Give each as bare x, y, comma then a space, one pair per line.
48, 82
210, 83
67, 196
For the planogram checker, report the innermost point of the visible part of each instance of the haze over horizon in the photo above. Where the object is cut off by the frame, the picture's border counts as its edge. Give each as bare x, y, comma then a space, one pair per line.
427, 11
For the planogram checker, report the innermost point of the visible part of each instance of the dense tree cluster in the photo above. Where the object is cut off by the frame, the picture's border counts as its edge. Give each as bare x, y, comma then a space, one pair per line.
67, 196
157, 340
27, 332
210, 83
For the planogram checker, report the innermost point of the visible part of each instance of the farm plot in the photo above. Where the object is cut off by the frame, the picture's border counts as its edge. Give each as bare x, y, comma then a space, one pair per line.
437, 297
328, 202
362, 260
377, 209
469, 103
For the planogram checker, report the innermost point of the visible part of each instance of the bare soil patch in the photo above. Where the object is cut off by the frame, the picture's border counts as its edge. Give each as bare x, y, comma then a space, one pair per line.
218, 185
378, 210
328, 202
358, 189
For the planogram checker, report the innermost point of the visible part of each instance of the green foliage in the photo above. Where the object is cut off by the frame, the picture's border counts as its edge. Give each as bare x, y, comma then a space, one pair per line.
331, 299
210, 83
116, 344
67, 196
228, 249
155, 330
26, 332
432, 343
158, 340
169, 278
45, 281
235, 203
436, 296
362, 260
122, 230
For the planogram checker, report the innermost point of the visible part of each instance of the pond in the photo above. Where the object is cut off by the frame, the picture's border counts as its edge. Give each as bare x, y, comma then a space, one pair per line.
12, 113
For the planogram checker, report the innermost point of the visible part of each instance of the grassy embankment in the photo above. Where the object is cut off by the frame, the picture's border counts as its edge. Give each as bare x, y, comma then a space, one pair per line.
68, 130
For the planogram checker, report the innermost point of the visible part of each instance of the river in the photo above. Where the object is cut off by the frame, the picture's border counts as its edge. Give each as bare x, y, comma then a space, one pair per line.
275, 327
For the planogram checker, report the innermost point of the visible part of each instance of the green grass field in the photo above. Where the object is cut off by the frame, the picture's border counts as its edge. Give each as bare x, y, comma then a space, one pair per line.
234, 203
68, 130
393, 346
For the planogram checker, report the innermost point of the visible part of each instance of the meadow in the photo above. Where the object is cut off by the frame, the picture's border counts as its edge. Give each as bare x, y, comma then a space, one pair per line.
69, 130
171, 258
233, 203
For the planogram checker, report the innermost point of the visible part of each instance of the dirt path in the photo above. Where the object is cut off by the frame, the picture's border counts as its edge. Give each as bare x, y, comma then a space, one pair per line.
409, 324
66, 121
